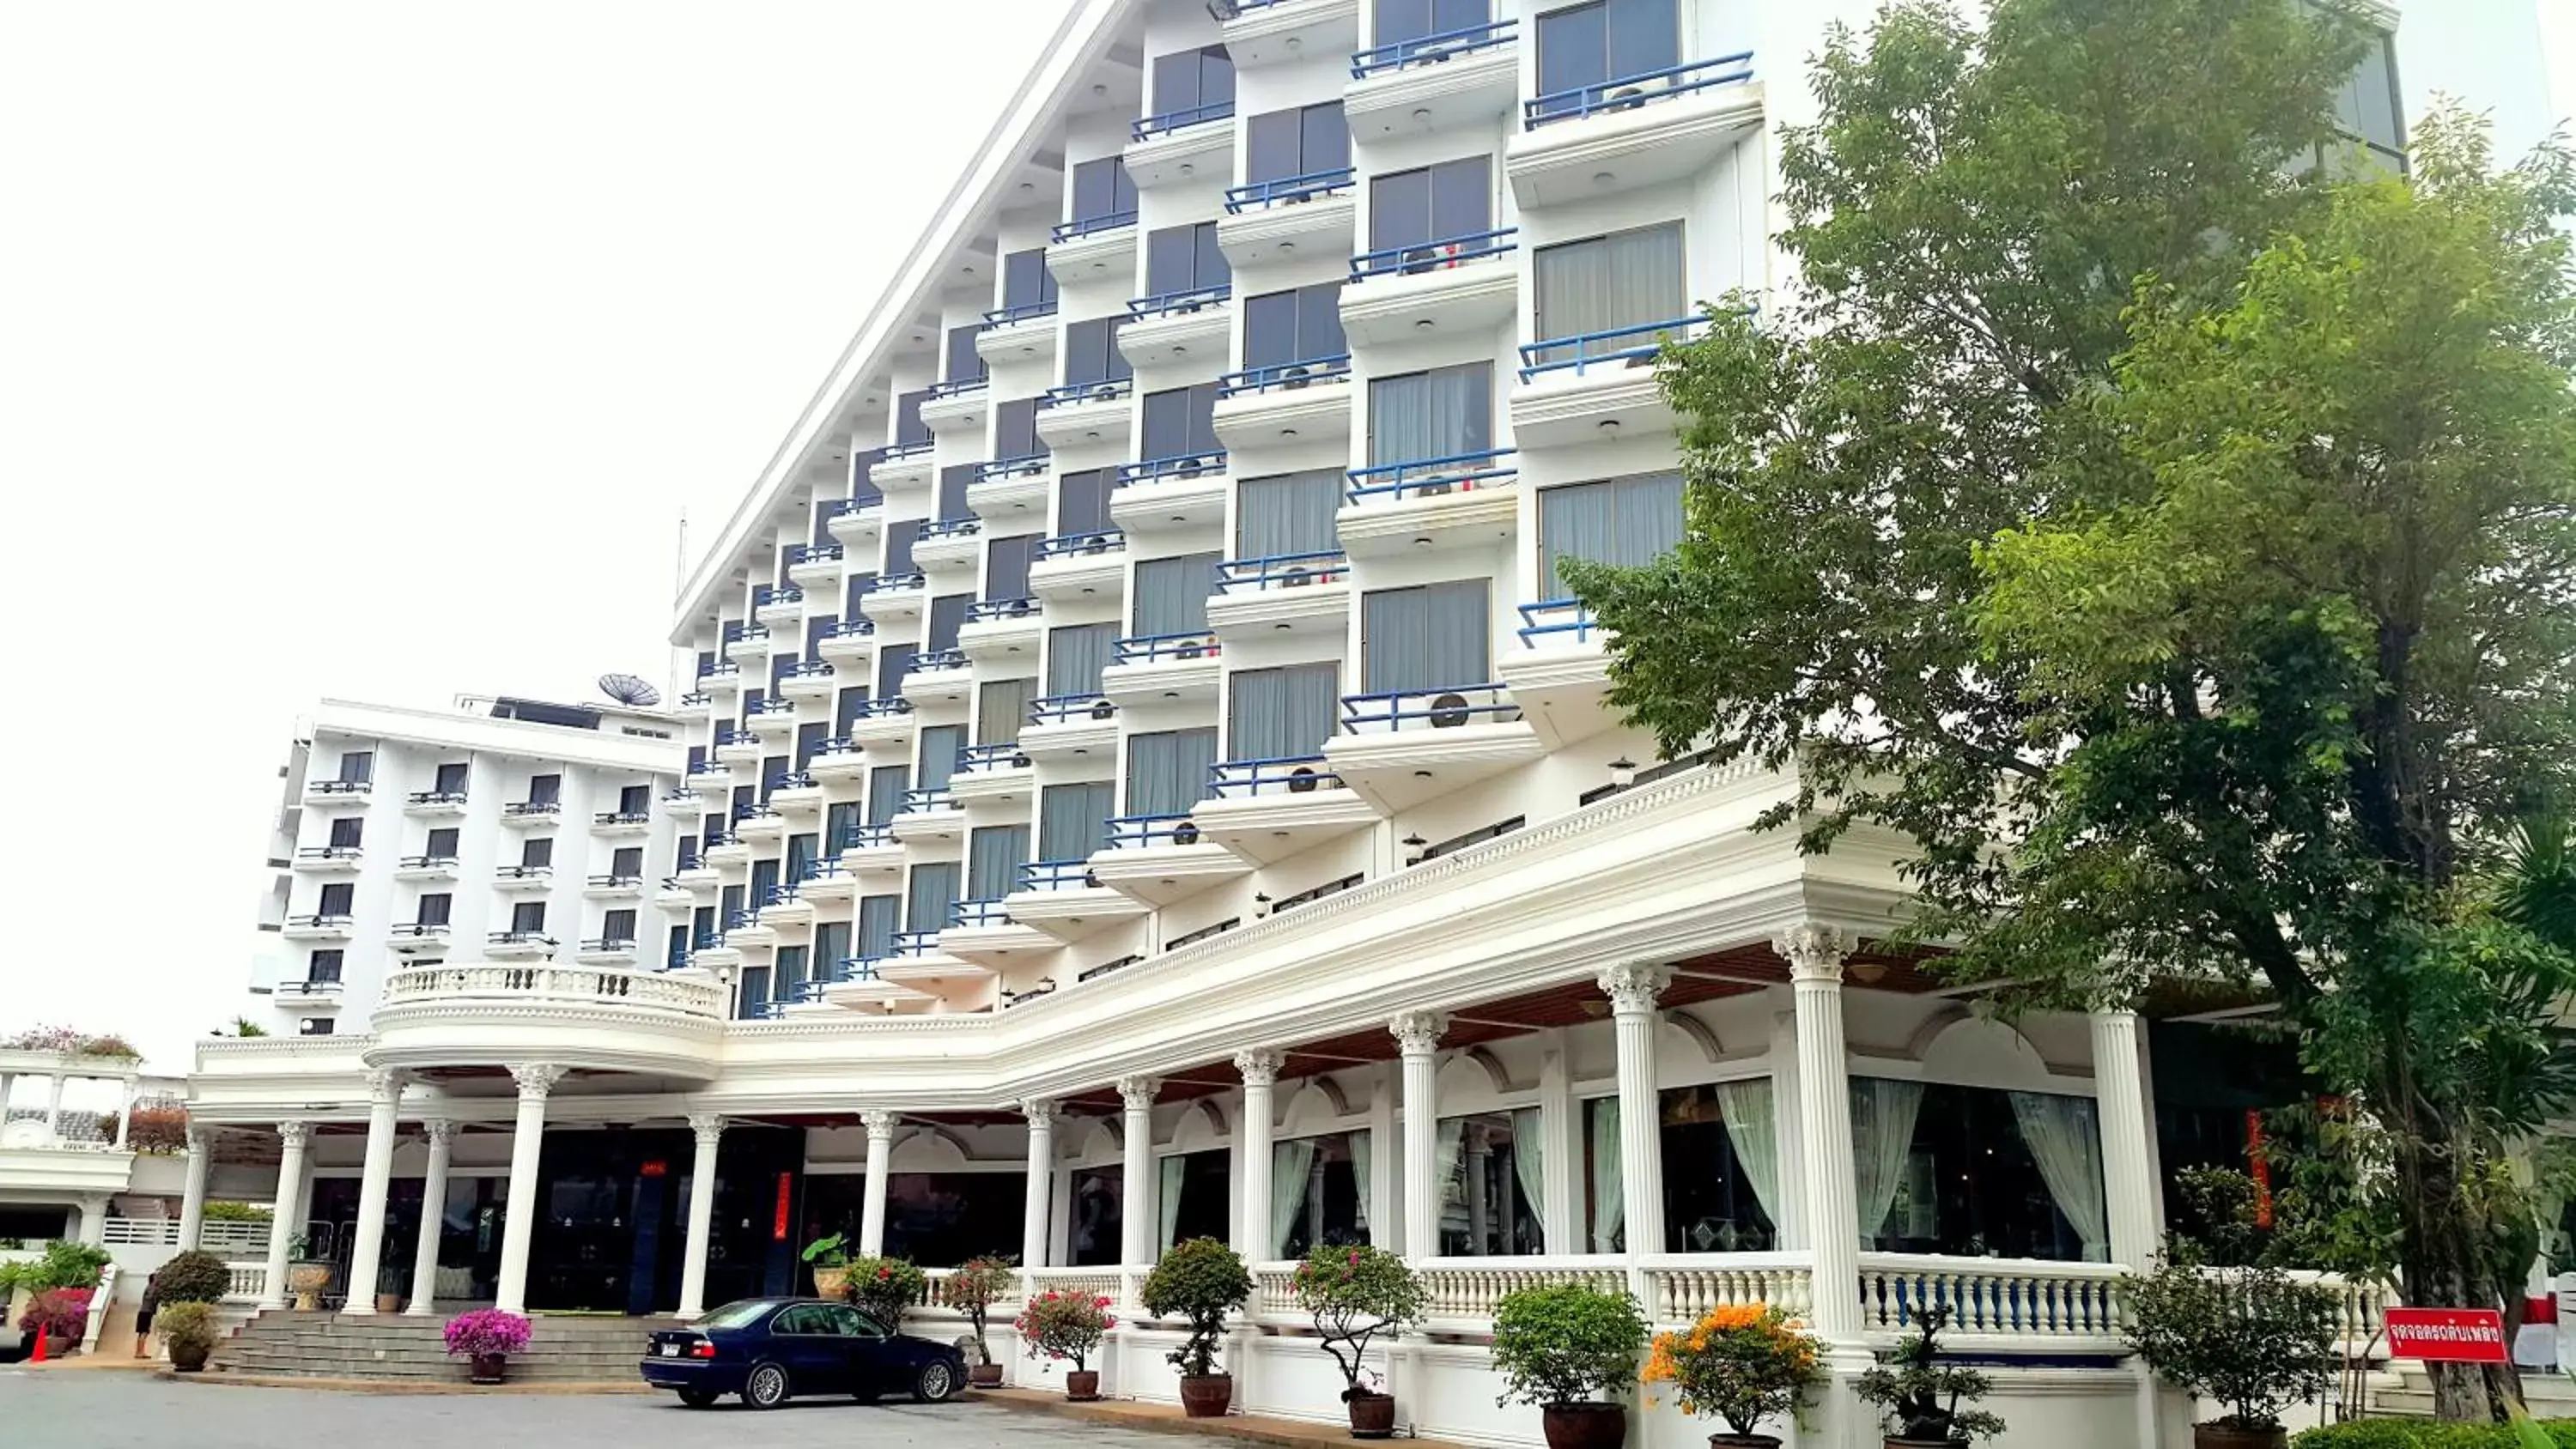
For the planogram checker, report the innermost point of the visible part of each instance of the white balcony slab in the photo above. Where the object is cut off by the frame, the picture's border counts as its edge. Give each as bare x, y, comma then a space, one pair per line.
1100, 256
959, 415
436, 805
996, 944
721, 683
1575, 161
1562, 686
1199, 152
731, 855
1472, 298
1164, 680
1006, 784
944, 685
905, 477
1463, 92
946, 823
524, 879
1095, 573
1027, 340
874, 858
1409, 525
1014, 502
897, 605
1296, 416
1161, 874
1174, 504
1244, 613
816, 573
1195, 334
614, 888
1093, 735
796, 800
1277, 824
1004, 640
1607, 402
1292, 30
1394, 769
850, 764
951, 552
809, 685
1102, 419
876, 731
761, 828
1073, 912
846, 648
784, 611
1289, 230
859, 526
432, 868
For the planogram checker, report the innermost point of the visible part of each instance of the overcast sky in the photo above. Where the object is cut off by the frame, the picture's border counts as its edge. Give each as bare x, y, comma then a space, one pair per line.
376, 351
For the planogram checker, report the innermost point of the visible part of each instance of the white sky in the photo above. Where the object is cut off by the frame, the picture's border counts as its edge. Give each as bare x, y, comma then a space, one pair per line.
375, 351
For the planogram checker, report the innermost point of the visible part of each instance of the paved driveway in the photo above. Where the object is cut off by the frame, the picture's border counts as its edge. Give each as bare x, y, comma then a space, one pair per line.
99, 1409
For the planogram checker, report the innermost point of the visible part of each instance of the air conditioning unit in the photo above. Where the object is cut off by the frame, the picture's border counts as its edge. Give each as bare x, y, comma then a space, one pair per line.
1448, 711
1429, 259
1295, 377
1435, 489
1301, 781
1104, 393
1185, 833
1295, 579
1103, 709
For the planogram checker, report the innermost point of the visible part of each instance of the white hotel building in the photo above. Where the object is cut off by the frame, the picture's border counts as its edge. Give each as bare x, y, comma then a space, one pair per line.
1143, 779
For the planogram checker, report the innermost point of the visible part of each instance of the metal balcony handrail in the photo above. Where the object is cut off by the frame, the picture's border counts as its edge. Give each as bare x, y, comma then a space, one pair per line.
793, 780
906, 452
1169, 121
956, 387
837, 745
1287, 775
1435, 254
767, 594
771, 708
1151, 648
1178, 465
1458, 473
339, 787
1285, 376
524, 872
329, 852
1133, 832
1427, 49
726, 737
696, 699
1003, 754
865, 837
1282, 570
1056, 875
436, 797
1062, 708
1281, 190
973, 914
609, 881
889, 583
805, 553
1021, 311
938, 528
1445, 707
425, 862
532, 807
1185, 300
743, 918
317, 918
1019, 467
605, 944
622, 817
785, 893
808, 669
924, 799
985, 611
722, 669
880, 708
848, 506
1106, 389
929, 660
1589, 351
419, 930
915, 943
1071, 544
1627, 92
717, 767
1550, 617
756, 810
517, 938
1084, 226
850, 628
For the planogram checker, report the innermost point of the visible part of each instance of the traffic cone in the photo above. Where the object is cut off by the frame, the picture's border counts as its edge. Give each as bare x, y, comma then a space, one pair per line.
40, 1344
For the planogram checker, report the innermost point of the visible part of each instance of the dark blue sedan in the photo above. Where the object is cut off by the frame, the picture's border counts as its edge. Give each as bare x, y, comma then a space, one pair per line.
771, 1349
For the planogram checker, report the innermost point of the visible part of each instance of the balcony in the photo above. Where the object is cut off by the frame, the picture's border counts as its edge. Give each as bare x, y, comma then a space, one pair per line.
674, 894
828, 880
1179, 329
1158, 667
857, 521
939, 676
523, 879
1159, 859
807, 679
798, 794
1460, 286
846, 639
956, 409
737, 747
1457, 80
713, 777
838, 758
435, 804
695, 876
871, 850
1289, 404
1399, 748
949, 545
529, 814
918, 962
1025, 333
720, 679
1399, 508
1278, 32
1578, 145
418, 938
328, 860
1296, 593
856, 985
996, 774
1093, 249
622, 822
713, 953
983, 932
682, 803
751, 645
337, 795
928, 814
1182, 492
904, 468
1080, 566
425, 867
606, 951
1181, 146
601, 1018
697, 704
1597, 386
787, 906
1281, 220
1267, 810
814, 565
518, 945
760, 824
1070, 726
894, 598
308, 994
316, 927
1560, 676
1012, 493
882, 722
1001, 630
613, 888
728, 851
747, 932
1064, 899
1082, 415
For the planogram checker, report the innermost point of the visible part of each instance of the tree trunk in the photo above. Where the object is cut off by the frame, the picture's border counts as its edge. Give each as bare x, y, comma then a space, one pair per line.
2442, 1266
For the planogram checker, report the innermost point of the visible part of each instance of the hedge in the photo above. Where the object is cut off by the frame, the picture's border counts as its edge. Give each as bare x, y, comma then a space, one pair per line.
2426, 1434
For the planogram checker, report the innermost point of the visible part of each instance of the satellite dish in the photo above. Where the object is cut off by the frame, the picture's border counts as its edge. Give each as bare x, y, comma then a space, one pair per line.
627, 689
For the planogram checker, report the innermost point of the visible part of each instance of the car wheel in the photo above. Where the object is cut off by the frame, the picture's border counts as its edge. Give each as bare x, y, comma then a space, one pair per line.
936, 1381
766, 1388
697, 1398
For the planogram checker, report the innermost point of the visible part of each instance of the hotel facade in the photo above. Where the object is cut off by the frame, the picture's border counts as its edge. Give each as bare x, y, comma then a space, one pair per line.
1140, 777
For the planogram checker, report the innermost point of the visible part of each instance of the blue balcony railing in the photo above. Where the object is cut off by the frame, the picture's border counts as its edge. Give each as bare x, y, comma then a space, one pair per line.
1027, 465
905, 452
1432, 477
926, 799
772, 709
784, 895
531, 809
744, 918
1557, 621
848, 629
835, 747
851, 968
1281, 190
1056, 875
939, 528
1443, 708
756, 811
915, 943
719, 673
865, 837
768, 594
1281, 571
755, 634
1188, 299
807, 669
848, 506
1066, 231
696, 699
1294, 775
1003, 755
735, 737
882, 708
1179, 465
723, 838
1019, 312
1165, 648
1616, 347
1284, 376
930, 660
1137, 832
973, 915
1070, 709
328, 852
825, 869
994, 611
1099, 390
891, 583
1429, 49
805, 553
956, 387
704, 768
1170, 121
793, 780
1631, 91
1074, 545
1436, 255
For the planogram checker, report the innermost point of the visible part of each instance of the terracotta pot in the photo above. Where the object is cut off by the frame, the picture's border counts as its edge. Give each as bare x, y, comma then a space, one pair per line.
1206, 1396
984, 1376
2224, 1436
1743, 1441
306, 1281
189, 1358
1082, 1385
1584, 1424
487, 1368
828, 1282
1372, 1415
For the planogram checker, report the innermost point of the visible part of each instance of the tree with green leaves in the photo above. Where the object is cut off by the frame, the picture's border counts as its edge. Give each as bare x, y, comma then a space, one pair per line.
2173, 538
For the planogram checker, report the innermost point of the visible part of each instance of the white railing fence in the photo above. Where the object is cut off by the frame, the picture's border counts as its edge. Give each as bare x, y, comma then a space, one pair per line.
1993, 1297
249, 1283
214, 1236
1682, 1289
546, 982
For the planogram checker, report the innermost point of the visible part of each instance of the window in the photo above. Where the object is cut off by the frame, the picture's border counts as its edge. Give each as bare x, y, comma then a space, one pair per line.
1401, 20
357, 766
441, 844
831, 946
937, 758
894, 661
964, 363
1982, 1173
1426, 638
1605, 1217
345, 831
854, 593
846, 706
1191, 80
1191, 1193
1026, 282
909, 429
1091, 352
1184, 259
1101, 192
1180, 422
1625, 279
1488, 1166
886, 784
628, 862
931, 897
1291, 513
1722, 1192
1172, 594
545, 789
1075, 655
754, 1001
1607, 40
1082, 502
764, 879
1432, 204
451, 777
1073, 819
1015, 429
809, 738
617, 926
787, 983
2368, 108
528, 917
1282, 714
994, 855
953, 483
1302, 325
675, 948
1626, 521
336, 899
537, 853
1006, 567
313, 1026
1167, 771
1001, 708
901, 534
323, 967
879, 918
1319, 1191
1094, 1211
1417, 417
434, 908
635, 800
1299, 141
947, 613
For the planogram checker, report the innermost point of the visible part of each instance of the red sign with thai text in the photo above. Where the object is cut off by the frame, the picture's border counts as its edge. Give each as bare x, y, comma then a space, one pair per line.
786, 1195
2447, 1335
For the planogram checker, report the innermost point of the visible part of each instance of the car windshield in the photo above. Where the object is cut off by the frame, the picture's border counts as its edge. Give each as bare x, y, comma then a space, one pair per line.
738, 1315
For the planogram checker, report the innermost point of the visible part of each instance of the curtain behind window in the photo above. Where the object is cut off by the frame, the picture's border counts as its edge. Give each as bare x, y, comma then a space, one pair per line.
1101, 188
1026, 282
1180, 422
1401, 20
994, 855
937, 759
1624, 521
879, 918
1006, 567
1076, 654
1091, 352
1288, 514
1434, 637
932, 897
1283, 714
1167, 772
886, 784
1443, 413
1082, 505
1001, 709
1072, 818
1625, 279
1172, 594
1605, 41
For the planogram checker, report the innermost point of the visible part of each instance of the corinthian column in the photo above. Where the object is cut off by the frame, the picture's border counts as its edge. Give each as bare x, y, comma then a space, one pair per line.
1634, 990
1254, 1231
527, 1146
1417, 1040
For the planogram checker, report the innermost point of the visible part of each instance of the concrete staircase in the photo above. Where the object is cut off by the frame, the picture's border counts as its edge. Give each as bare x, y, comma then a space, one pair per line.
2551, 1396
393, 1348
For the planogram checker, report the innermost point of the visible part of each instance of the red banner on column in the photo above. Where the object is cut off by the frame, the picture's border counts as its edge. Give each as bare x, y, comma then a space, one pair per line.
2447, 1335
786, 1194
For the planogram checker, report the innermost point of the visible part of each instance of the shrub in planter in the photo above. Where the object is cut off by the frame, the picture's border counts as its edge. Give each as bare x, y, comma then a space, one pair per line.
1742, 1363
1922, 1395
1355, 1295
488, 1336
1200, 1282
2251, 1338
973, 1290
1571, 1349
1067, 1326
61, 1314
195, 1276
188, 1329
884, 1287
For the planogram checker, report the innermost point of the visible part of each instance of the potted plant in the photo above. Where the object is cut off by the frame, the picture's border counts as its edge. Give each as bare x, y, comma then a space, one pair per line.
2251, 1338
1067, 1326
1743, 1363
488, 1337
830, 1260
973, 1290
884, 1288
188, 1330
1921, 1395
195, 1276
1354, 1295
306, 1275
1199, 1282
1571, 1349
60, 1316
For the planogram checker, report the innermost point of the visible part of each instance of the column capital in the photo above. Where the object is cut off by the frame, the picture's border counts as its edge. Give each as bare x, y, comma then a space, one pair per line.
200, 1140
294, 1134
384, 1084
442, 1133
1260, 1066
1634, 986
2116, 1011
1814, 951
536, 1080
1418, 1033
1041, 1111
1139, 1092
880, 1125
707, 1127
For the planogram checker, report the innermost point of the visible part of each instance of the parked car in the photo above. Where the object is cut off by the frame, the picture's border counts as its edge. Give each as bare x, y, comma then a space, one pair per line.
771, 1349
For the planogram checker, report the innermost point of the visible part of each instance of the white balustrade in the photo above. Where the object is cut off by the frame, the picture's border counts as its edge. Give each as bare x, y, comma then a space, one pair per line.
225, 1235
1471, 1288
249, 1282
1098, 1282
142, 1232
1992, 1297
1274, 1294
1682, 1288
546, 982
